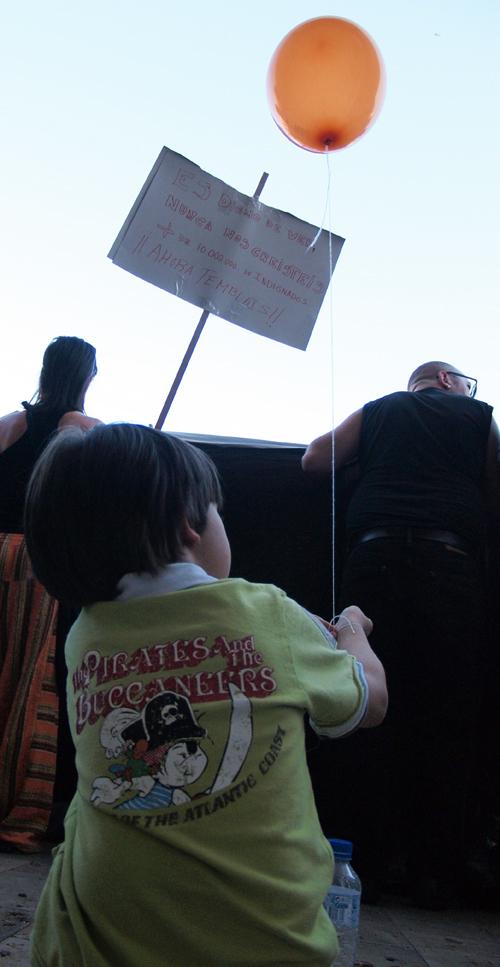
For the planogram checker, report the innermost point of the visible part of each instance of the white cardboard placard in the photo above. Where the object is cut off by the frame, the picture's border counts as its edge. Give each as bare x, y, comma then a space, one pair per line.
196, 237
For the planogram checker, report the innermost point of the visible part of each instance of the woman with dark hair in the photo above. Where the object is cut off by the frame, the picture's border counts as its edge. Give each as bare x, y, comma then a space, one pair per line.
28, 687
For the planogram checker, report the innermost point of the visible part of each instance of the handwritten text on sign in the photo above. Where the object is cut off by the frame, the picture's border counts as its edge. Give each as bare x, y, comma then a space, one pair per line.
191, 234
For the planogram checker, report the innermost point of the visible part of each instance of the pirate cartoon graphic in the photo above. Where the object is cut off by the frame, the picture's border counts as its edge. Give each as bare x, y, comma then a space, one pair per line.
160, 752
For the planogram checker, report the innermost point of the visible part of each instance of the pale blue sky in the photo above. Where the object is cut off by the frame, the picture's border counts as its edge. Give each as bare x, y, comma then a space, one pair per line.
91, 92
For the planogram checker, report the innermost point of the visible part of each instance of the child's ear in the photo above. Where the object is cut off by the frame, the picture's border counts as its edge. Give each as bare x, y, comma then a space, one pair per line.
190, 537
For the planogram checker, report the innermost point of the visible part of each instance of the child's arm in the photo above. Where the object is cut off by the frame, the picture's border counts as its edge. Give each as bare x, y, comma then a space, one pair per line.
351, 631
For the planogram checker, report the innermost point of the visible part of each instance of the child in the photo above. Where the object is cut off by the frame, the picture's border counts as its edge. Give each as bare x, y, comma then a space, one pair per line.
193, 838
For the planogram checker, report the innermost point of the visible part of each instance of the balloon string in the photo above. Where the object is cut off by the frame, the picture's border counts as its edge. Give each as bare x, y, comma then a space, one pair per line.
328, 210
330, 261
327, 202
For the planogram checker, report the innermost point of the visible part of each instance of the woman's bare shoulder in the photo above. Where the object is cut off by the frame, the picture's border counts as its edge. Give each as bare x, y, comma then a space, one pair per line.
12, 427
12, 417
75, 418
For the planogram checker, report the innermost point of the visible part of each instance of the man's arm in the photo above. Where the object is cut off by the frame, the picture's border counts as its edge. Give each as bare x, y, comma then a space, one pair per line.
346, 438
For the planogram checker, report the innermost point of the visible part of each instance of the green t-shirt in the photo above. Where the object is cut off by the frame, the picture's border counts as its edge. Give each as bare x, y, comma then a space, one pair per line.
193, 838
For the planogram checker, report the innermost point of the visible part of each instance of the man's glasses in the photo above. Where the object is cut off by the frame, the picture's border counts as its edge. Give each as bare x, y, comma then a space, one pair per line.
470, 380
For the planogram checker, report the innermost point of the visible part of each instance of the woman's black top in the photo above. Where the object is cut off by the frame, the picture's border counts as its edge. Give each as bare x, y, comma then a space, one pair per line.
18, 460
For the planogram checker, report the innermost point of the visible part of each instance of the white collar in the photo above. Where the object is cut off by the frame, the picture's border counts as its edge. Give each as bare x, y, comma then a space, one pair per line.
173, 577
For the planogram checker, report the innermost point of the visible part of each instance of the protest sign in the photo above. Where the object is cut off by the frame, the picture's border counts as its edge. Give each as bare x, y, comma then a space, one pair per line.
196, 237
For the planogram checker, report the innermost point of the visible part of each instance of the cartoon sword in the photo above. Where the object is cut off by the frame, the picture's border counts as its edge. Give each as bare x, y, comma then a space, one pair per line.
238, 740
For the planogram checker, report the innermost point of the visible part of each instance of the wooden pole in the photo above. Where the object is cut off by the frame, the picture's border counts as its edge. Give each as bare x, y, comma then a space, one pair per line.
194, 339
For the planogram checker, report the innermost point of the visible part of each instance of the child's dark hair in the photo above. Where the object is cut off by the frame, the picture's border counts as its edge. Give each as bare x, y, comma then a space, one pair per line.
111, 501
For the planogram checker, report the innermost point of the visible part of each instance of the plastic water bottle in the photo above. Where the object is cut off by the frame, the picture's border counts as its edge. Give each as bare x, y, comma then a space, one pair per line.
342, 902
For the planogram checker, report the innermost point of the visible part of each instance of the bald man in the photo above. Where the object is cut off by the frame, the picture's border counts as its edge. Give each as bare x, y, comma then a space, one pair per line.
416, 523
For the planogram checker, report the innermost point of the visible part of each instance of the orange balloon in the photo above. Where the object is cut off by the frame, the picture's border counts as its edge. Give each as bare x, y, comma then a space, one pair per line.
325, 83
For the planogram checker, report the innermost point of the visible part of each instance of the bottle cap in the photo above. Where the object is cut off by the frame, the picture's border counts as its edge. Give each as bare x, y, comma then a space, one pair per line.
342, 848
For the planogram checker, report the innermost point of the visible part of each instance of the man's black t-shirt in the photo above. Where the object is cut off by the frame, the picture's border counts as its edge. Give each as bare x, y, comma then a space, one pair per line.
422, 460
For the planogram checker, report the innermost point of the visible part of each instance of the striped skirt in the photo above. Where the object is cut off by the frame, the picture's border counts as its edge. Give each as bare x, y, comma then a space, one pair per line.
28, 700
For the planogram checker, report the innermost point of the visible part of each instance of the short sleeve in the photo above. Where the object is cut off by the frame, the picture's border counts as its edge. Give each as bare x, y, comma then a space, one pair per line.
334, 683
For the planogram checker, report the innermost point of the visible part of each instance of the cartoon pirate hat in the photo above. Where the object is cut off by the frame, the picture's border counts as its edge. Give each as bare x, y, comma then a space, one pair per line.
166, 719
